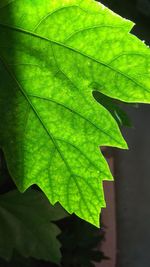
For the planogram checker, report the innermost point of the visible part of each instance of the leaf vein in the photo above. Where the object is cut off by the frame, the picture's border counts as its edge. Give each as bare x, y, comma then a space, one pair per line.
76, 51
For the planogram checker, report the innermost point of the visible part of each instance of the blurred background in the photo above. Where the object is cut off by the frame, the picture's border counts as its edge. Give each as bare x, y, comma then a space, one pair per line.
132, 168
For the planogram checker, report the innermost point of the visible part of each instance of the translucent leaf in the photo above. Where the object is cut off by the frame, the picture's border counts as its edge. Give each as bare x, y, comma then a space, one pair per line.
53, 55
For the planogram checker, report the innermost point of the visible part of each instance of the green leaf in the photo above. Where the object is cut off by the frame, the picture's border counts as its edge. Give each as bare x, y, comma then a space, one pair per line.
53, 54
26, 226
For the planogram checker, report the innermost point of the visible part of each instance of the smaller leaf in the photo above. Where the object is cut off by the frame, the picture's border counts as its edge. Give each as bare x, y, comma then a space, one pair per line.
26, 226
116, 111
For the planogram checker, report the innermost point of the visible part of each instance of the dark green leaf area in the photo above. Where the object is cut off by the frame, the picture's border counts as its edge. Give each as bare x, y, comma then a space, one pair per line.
26, 226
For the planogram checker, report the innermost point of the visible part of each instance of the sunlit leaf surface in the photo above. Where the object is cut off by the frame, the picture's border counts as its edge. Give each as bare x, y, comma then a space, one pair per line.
53, 55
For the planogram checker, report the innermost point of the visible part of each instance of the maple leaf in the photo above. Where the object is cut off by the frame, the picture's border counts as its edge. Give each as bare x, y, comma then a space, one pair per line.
53, 55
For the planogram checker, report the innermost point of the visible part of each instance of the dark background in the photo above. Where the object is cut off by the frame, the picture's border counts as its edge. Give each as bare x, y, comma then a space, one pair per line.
133, 166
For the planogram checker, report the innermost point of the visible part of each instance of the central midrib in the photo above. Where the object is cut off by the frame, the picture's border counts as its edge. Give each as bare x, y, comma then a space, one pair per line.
72, 175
